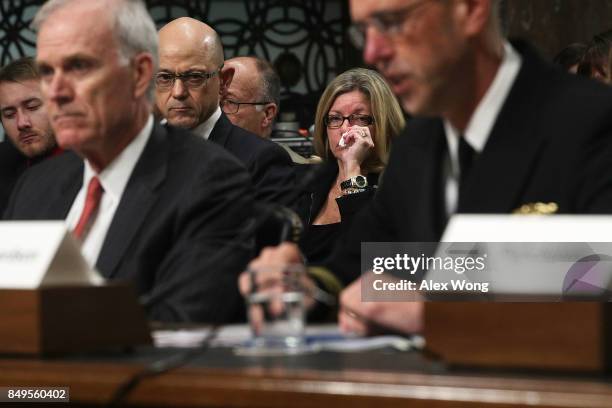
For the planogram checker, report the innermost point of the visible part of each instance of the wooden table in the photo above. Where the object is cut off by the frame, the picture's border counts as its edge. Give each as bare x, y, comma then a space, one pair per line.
370, 379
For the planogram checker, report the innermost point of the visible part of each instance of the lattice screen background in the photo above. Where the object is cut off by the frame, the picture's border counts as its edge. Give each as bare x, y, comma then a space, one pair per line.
305, 38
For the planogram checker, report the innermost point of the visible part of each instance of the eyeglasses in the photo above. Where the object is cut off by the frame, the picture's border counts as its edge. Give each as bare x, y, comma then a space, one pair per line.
191, 79
387, 23
334, 122
228, 106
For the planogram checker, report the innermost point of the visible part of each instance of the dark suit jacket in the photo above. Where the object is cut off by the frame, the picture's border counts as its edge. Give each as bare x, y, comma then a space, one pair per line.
269, 165
179, 219
552, 142
12, 165
317, 242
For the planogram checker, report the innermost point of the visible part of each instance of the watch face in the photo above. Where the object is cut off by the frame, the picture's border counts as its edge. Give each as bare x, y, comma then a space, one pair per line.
361, 181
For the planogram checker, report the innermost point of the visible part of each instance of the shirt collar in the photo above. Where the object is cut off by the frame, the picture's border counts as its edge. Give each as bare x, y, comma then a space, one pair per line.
481, 123
205, 128
115, 176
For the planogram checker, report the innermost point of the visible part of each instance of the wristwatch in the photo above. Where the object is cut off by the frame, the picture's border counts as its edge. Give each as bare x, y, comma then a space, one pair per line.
359, 182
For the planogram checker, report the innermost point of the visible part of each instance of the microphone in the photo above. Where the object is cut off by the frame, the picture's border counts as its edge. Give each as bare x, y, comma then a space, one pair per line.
277, 224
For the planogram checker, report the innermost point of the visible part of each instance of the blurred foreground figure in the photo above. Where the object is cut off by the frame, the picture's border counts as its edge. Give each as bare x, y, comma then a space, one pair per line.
511, 131
153, 205
496, 130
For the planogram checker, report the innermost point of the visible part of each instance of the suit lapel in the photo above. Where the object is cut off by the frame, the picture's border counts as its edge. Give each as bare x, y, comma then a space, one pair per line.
139, 196
319, 189
70, 184
421, 160
435, 210
500, 173
221, 130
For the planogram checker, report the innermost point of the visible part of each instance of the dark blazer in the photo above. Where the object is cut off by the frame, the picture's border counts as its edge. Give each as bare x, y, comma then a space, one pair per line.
552, 142
269, 165
317, 190
178, 223
317, 246
12, 165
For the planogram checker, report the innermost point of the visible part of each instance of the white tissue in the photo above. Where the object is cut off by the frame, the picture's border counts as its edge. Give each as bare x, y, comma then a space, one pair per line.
342, 142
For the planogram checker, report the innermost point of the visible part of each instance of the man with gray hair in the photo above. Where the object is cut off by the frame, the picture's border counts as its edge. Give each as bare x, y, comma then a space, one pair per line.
189, 87
252, 100
153, 205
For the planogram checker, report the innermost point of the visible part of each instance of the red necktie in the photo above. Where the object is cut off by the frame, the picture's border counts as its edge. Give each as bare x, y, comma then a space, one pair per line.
94, 193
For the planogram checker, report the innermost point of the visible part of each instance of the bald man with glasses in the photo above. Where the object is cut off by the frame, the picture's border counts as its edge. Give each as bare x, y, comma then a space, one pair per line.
189, 86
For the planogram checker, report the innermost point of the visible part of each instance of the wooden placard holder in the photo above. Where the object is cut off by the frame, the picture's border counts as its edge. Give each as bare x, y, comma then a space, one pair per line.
71, 319
562, 336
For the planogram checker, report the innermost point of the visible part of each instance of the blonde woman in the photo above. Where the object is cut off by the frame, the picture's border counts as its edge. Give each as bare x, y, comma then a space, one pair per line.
356, 118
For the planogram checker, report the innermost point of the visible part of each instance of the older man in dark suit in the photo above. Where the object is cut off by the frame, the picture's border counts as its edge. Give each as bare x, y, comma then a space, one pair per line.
509, 133
157, 206
189, 86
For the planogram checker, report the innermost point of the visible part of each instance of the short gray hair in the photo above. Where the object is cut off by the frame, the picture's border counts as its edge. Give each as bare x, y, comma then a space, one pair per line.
270, 81
133, 27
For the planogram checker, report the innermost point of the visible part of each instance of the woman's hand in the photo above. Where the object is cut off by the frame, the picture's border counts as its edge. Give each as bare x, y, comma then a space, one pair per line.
357, 146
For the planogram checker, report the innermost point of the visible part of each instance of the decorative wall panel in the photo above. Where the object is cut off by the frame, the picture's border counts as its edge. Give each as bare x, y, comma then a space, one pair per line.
304, 39
16, 37
553, 24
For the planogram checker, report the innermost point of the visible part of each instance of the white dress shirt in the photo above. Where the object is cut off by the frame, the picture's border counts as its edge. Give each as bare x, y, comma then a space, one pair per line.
205, 128
481, 123
113, 179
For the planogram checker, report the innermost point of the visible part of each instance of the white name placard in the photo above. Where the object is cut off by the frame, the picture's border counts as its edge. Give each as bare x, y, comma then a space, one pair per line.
528, 228
538, 254
41, 253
